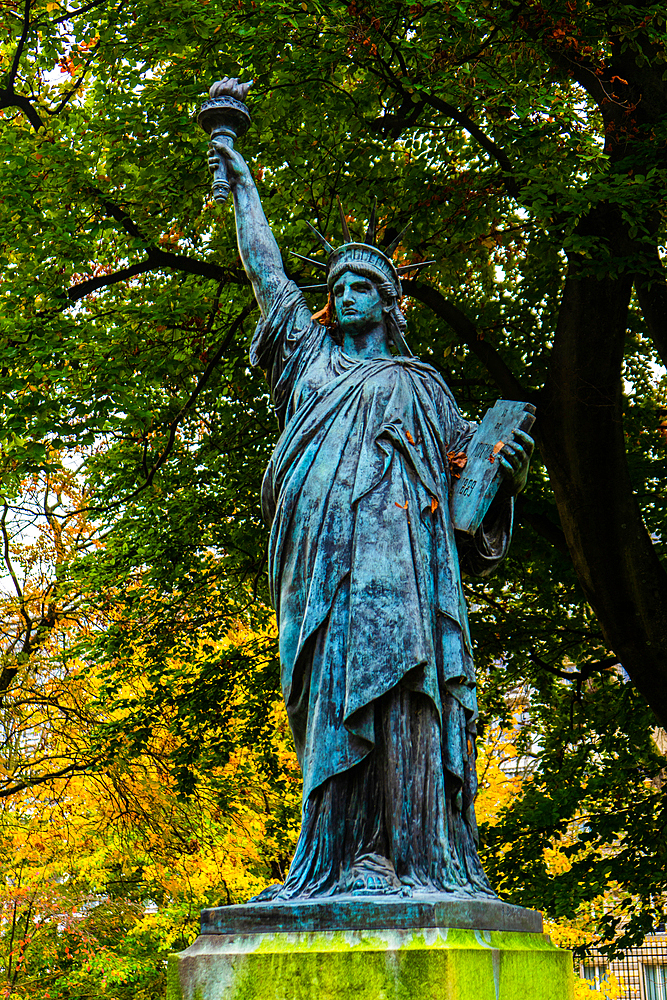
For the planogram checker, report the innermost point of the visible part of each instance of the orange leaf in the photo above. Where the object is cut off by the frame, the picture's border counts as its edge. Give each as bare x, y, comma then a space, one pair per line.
434, 504
457, 459
409, 437
403, 506
497, 446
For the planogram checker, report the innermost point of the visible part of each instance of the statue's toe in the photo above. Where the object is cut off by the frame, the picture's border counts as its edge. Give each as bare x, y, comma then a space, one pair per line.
372, 875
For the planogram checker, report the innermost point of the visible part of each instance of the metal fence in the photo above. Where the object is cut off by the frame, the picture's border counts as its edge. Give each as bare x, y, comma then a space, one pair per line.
642, 974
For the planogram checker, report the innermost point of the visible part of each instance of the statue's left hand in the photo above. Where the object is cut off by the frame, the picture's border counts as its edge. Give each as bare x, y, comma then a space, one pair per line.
515, 460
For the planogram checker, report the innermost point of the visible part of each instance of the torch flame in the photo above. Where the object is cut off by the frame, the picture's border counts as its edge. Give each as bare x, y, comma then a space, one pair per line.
229, 86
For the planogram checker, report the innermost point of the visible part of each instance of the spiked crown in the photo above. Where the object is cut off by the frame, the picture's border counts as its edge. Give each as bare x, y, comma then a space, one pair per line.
363, 257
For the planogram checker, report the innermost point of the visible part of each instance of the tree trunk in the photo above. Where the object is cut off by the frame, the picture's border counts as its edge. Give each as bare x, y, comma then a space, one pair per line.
584, 448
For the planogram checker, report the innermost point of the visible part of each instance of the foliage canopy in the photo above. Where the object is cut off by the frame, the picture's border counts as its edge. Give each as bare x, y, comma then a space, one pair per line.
525, 144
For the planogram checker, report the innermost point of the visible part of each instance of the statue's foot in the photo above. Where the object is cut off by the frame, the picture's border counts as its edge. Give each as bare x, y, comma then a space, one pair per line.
373, 875
370, 884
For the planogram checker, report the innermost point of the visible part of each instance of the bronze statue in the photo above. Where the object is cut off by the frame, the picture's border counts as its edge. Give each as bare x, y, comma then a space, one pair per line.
365, 575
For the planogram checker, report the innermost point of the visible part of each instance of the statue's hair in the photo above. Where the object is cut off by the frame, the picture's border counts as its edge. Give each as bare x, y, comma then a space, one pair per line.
395, 320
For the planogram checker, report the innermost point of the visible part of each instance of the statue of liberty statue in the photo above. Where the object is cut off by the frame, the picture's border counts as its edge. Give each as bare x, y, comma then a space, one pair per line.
365, 573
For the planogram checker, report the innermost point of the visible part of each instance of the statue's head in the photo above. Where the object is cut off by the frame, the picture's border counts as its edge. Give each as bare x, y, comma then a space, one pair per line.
364, 289
369, 273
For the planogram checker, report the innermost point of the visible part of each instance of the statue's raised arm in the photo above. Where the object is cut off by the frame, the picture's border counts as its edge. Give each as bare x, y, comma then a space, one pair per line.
257, 245
225, 117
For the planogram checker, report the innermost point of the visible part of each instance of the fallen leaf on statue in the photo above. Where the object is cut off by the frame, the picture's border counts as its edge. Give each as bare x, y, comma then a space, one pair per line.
457, 460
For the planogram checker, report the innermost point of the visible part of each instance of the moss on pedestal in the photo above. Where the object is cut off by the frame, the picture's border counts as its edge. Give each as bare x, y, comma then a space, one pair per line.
429, 964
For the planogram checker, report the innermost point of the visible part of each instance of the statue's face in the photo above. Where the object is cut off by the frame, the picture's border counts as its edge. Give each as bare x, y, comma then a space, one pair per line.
359, 307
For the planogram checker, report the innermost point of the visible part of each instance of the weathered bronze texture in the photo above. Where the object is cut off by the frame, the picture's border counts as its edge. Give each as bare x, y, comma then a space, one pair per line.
355, 913
225, 117
365, 575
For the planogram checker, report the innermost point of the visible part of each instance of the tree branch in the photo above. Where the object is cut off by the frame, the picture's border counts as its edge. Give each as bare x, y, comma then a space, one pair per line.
601, 80
467, 331
581, 69
11, 79
203, 379
155, 261
119, 214
580, 675
155, 257
179, 262
7, 674
413, 108
9, 99
487, 144
8, 96
84, 288
68, 97
82, 10
21, 785
6, 555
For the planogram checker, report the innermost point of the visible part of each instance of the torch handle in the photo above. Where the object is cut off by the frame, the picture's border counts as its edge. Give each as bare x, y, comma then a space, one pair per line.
220, 183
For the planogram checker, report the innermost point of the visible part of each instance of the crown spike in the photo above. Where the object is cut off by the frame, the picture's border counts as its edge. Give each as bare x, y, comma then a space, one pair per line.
343, 222
370, 232
325, 243
309, 260
391, 249
411, 267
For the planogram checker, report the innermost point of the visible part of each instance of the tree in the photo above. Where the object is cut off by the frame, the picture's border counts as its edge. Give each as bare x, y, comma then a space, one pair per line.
526, 143
104, 862
103, 874
572, 812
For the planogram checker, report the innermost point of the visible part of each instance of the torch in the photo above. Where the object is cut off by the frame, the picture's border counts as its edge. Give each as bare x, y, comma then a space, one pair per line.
225, 117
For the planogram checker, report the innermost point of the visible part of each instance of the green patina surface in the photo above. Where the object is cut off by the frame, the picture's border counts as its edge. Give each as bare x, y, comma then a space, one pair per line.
445, 965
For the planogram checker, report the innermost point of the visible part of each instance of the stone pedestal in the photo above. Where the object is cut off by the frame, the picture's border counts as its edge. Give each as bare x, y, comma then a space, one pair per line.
385, 950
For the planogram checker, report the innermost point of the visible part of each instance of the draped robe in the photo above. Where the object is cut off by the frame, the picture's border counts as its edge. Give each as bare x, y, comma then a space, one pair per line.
376, 660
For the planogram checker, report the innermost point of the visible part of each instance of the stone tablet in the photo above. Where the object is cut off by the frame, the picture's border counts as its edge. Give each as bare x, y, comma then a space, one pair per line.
478, 484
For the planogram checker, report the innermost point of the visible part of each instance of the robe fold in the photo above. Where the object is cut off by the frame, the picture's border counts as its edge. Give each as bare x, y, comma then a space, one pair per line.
365, 579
